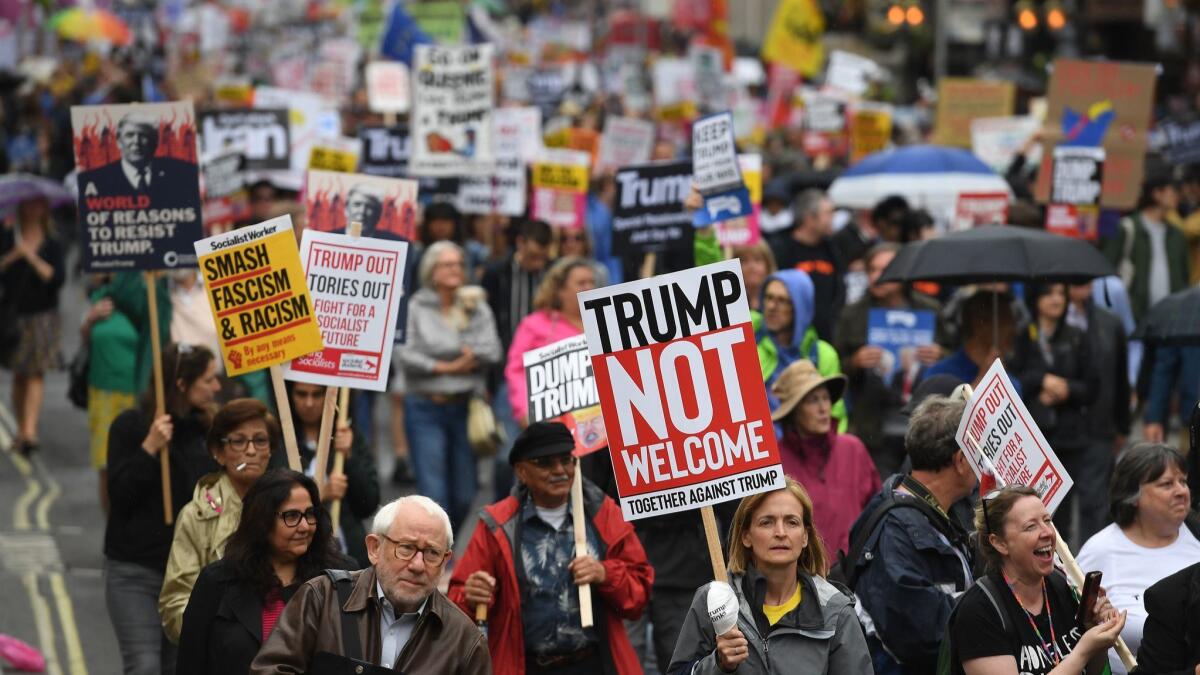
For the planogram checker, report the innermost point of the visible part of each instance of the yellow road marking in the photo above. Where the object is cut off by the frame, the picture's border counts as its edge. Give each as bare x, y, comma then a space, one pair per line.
48, 499
45, 628
66, 616
21, 508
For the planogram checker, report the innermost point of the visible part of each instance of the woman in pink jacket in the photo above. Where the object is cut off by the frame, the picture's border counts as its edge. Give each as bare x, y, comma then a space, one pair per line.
556, 317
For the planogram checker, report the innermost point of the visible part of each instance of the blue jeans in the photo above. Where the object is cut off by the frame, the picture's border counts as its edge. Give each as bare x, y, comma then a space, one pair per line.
502, 475
131, 594
441, 457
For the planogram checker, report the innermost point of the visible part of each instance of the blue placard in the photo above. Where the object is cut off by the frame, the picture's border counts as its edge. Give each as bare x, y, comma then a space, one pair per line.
899, 332
723, 206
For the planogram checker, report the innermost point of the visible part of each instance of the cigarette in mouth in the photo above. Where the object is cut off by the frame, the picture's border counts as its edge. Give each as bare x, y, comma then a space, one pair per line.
241, 466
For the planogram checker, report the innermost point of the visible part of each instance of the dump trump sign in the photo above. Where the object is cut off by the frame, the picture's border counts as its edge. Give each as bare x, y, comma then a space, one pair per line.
677, 372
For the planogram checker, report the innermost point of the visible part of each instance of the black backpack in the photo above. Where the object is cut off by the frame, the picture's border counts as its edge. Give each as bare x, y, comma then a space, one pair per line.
846, 570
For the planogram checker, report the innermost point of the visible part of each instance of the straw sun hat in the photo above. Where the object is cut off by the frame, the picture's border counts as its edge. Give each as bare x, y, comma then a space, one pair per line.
797, 381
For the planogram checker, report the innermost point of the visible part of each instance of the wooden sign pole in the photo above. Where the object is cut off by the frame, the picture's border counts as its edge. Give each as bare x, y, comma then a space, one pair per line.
713, 536
648, 264
285, 419
339, 459
325, 435
579, 523
160, 406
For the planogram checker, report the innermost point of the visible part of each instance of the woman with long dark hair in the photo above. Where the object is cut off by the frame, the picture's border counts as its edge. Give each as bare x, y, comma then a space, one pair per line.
136, 541
284, 539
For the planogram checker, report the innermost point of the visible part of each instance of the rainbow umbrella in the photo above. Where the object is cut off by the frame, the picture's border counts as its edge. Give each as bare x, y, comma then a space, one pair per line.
82, 25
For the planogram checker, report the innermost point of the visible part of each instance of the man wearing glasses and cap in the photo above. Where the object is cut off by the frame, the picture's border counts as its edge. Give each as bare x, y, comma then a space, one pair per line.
387, 618
521, 564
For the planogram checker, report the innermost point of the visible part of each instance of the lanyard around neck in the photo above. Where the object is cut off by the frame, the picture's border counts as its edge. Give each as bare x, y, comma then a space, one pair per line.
1050, 649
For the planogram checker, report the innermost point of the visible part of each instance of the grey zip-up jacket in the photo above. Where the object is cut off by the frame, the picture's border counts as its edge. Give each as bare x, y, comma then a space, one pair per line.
816, 637
433, 337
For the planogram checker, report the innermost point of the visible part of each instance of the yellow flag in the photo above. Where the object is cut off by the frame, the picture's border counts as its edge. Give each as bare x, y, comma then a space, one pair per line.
794, 38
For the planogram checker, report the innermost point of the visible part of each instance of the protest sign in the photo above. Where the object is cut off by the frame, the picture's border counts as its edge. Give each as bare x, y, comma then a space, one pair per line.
708, 64
850, 72
898, 332
1179, 142
649, 215
998, 428
997, 140
335, 69
262, 134
626, 141
715, 170
744, 230
560, 188
1073, 220
674, 89
1101, 104
259, 300
681, 439
870, 131
561, 388
794, 37
139, 185
310, 118
452, 106
387, 87
979, 208
1078, 175
356, 284
962, 100
224, 190
516, 140
386, 207
335, 154
385, 151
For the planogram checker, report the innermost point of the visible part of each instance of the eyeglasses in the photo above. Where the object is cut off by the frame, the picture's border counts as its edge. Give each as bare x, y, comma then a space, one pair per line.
566, 459
983, 502
292, 517
406, 551
181, 349
239, 443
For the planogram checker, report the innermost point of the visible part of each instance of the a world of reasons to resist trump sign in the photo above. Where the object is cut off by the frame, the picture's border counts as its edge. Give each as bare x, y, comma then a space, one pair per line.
356, 284
139, 185
560, 386
677, 372
259, 300
1005, 446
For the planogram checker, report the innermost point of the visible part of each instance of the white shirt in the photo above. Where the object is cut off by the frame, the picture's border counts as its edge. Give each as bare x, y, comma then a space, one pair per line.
394, 631
136, 176
1129, 569
1160, 271
553, 517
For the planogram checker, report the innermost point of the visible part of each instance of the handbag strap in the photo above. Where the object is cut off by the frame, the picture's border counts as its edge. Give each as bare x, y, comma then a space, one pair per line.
351, 646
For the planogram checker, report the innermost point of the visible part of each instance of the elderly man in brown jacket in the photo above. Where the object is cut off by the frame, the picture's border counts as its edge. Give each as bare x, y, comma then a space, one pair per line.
388, 617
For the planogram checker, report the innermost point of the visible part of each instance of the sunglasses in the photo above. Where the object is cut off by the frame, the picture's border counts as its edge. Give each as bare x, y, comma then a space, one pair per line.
983, 501
552, 461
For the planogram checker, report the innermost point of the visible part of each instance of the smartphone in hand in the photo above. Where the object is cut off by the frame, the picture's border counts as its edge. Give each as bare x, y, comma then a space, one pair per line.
1087, 599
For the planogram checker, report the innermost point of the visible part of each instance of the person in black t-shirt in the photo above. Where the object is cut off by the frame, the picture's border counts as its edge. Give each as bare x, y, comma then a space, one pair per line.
810, 248
1020, 618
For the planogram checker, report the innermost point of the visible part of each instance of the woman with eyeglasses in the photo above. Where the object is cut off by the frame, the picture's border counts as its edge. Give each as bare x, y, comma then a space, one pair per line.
137, 541
790, 619
1020, 617
284, 539
241, 438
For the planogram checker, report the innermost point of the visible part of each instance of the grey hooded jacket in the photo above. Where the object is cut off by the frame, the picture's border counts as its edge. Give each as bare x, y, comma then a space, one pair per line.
815, 638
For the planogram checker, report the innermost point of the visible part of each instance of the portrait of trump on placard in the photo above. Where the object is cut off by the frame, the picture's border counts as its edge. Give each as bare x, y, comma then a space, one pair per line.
139, 184
386, 207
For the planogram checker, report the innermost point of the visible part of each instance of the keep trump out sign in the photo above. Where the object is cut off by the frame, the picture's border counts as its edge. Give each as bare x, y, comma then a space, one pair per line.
677, 373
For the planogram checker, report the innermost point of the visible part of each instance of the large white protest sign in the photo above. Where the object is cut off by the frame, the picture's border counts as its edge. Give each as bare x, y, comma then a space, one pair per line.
561, 387
997, 432
626, 141
387, 87
356, 286
714, 154
516, 140
453, 99
677, 372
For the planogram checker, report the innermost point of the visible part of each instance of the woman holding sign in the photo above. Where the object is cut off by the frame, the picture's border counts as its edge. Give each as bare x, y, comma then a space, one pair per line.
136, 541
789, 619
1022, 615
451, 342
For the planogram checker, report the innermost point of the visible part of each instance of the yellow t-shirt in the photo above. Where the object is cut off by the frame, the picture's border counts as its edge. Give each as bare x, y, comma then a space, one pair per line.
776, 612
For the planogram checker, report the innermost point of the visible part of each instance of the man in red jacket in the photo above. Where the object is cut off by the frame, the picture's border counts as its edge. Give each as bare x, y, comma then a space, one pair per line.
521, 563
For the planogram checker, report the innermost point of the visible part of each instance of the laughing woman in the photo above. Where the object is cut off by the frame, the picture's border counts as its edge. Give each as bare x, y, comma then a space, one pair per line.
1037, 632
790, 620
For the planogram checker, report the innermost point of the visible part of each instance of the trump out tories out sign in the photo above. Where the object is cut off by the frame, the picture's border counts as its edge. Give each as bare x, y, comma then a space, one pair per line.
677, 372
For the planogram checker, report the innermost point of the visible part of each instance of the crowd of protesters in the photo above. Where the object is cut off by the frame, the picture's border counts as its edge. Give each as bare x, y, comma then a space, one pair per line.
879, 555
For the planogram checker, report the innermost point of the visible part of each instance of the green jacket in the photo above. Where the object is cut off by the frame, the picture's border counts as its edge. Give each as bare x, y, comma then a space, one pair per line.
1137, 272
127, 290
828, 363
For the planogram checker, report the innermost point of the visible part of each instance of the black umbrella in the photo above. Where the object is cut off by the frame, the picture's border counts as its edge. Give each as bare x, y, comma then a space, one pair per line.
1175, 320
998, 253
